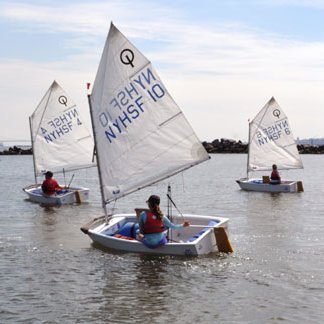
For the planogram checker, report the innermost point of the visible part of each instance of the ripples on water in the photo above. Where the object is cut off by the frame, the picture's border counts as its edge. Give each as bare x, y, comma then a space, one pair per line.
51, 273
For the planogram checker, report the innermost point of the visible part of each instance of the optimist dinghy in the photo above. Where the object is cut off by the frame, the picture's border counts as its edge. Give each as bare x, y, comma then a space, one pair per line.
142, 137
61, 143
271, 142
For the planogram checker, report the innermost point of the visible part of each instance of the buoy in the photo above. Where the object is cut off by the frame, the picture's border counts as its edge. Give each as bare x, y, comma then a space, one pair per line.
223, 243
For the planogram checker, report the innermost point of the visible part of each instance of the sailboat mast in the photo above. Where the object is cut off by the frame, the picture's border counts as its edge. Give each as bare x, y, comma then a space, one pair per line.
169, 210
169, 203
248, 157
32, 145
98, 160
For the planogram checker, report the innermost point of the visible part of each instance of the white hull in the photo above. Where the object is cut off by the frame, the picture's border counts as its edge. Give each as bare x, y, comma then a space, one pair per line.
189, 241
70, 196
259, 185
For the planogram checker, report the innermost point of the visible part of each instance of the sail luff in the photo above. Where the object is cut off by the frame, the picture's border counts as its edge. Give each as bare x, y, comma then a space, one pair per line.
34, 134
98, 159
32, 146
249, 146
48, 94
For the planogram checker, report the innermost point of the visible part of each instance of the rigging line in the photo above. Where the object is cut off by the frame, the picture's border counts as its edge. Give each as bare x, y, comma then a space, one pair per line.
175, 206
64, 177
70, 180
112, 213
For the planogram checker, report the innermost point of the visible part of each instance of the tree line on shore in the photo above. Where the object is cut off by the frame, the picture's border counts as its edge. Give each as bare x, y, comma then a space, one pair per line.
222, 145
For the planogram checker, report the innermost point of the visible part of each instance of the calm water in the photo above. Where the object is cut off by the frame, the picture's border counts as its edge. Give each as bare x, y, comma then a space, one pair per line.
51, 273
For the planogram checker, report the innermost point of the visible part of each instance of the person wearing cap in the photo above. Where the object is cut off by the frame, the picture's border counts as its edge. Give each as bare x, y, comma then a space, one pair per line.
153, 224
50, 186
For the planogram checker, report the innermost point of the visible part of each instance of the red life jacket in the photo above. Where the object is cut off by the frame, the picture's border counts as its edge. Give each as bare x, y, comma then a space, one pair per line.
49, 186
153, 224
275, 175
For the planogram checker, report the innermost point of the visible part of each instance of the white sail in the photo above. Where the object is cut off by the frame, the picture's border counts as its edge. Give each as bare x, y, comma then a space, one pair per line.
59, 137
141, 134
271, 140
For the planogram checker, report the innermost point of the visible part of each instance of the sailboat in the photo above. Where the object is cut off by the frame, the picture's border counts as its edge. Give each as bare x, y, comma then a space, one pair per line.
271, 142
61, 143
142, 137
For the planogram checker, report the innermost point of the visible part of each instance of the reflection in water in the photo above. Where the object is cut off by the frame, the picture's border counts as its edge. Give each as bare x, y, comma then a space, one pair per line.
152, 286
135, 288
48, 215
48, 208
151, 277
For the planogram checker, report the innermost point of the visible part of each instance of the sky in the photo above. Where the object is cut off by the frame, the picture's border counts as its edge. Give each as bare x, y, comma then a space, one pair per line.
220, 60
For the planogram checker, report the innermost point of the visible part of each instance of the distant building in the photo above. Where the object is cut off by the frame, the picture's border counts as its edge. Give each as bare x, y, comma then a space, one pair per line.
310, 141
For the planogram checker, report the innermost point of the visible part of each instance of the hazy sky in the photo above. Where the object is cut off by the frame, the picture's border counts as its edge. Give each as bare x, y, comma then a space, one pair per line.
220, 60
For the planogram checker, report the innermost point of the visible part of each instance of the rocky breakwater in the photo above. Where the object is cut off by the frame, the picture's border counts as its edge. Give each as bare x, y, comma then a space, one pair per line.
311, 149
224, 145
16, 151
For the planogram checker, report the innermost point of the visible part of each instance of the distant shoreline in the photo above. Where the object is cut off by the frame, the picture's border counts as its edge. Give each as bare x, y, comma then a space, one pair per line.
217, 146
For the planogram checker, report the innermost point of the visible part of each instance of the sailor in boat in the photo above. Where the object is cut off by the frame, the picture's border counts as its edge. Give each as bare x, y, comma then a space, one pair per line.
275, 177
153, 224
50, 186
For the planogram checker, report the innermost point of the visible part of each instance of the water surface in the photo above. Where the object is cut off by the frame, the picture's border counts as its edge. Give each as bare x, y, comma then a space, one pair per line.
51, 273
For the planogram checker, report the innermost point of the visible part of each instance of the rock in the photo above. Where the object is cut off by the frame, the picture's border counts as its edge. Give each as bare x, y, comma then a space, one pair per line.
17, 151
225, 145
231, 146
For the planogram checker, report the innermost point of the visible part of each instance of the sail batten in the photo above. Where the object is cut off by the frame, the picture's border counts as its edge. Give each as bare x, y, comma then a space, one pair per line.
61, 142
271, 141
141, 134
